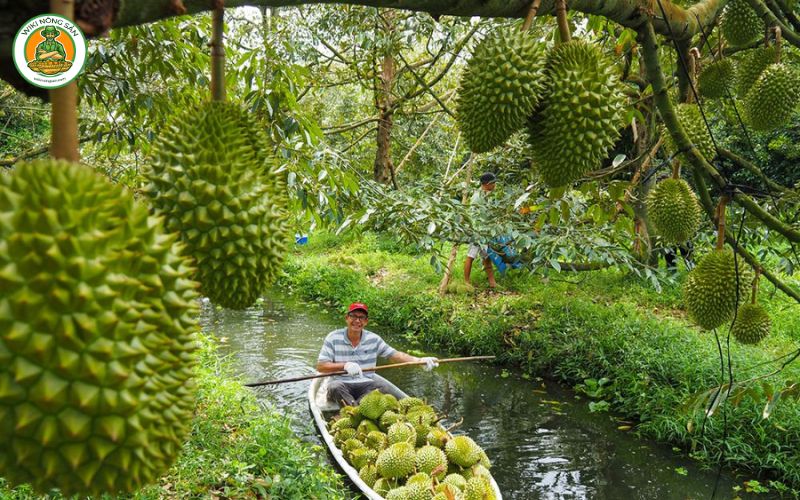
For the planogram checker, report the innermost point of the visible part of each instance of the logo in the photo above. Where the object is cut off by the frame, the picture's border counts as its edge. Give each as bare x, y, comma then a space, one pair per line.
49, 51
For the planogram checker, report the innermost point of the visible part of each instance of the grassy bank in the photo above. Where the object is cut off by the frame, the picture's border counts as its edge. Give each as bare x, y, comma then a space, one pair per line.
237, 449
574, 328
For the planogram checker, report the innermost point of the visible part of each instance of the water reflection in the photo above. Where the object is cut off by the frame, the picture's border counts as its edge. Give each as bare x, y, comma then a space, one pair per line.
544, 443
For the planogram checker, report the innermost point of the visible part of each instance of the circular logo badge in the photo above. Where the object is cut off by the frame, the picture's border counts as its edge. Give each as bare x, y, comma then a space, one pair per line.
49, 51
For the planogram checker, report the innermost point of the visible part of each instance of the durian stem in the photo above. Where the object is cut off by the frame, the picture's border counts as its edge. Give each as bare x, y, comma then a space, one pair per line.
723, 201
755, 285
218, 51
778, 40
531, 14
693, 64
563, 23
64, 104
676, 169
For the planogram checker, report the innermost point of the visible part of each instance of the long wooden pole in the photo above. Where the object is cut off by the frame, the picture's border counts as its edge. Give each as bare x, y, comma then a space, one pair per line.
377, 368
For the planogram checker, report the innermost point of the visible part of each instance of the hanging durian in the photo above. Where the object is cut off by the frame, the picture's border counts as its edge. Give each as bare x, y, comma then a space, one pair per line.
502, 84
751, 65
581, 117
211, 180
718, 79
718, 284
692, 122
752, 323
740, 24
674, 210
96, 322
774, 97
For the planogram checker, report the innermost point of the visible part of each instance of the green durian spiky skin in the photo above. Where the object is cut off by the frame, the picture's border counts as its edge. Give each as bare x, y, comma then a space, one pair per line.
342, 423
388, 418
430, 458
691, 119
718, 79
740, 24
774, 97
214, 183
752, 324
365, 427
674, 210
399, 493
446, 491
405, 404
396, 461
377, 440
437, 437
478, 488
462, 450
502, 85
372, 406
382, 486
456, 480
710, 289
402, 432
368, 474
419, 490
362, 456
343, 435
581, 118
96, 334
750, 67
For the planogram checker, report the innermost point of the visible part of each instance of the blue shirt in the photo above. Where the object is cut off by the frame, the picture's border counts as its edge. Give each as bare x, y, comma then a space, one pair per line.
338, 349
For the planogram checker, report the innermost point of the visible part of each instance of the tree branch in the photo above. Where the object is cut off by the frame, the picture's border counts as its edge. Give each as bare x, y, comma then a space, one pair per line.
769, 17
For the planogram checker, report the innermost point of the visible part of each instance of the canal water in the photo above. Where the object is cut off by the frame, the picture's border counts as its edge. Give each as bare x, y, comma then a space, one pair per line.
543, 441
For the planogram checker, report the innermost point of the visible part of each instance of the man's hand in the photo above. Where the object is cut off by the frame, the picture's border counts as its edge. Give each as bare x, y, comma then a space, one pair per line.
430, 363
353, 369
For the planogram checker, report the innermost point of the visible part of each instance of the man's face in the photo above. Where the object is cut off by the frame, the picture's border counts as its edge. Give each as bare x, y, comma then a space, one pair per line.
488, 186
356, 320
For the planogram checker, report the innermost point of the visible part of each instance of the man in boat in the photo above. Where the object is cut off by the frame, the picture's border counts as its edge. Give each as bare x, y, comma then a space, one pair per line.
352, 349
487, 186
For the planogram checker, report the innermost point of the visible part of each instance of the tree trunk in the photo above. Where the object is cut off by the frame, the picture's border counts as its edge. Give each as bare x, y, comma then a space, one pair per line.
383, 168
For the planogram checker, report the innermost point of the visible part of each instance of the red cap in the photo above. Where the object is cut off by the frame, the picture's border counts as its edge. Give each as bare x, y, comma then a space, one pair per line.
357, 305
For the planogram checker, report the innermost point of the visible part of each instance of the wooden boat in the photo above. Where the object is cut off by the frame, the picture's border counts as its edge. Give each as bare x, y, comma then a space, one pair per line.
318, 403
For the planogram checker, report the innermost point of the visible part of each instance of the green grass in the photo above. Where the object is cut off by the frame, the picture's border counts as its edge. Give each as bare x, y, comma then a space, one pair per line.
237, 449
574, 327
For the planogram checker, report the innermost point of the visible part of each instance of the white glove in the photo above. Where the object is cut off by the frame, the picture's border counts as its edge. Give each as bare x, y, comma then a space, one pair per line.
430, 363
353, 369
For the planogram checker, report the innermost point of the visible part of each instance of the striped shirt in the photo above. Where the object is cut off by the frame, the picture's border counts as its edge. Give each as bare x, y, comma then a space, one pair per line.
338, 349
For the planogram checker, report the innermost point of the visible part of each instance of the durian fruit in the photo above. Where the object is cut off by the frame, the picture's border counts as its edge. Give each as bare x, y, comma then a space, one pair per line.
446, 491
419, 489
368, 474
484, 460
691, 119
710, 289
372, 405
362, 456
376, 440
718, 79
437, 437
456, 480
342, 423
399, 493
388, 418
751, 65
740, 25
774, 97
97, 315
402, 432
581, 117
405, 404
502, 84
396, 461
752, 324
478, 488
366, 427
382, 486
430, 459
212, 180
674, 210
343, 435
462, 450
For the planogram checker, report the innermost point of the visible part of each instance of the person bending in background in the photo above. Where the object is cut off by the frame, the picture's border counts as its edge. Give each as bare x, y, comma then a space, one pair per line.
352, 349
487, 186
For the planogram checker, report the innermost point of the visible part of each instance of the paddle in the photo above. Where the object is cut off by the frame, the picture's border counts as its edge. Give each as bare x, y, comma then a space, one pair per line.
383, 367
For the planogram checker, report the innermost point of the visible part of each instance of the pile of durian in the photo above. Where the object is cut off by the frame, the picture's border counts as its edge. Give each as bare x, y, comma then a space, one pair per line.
570, 99
402, 453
